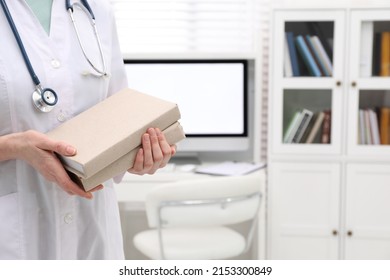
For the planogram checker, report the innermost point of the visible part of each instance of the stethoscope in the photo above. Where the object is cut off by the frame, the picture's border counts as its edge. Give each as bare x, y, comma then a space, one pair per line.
44, 99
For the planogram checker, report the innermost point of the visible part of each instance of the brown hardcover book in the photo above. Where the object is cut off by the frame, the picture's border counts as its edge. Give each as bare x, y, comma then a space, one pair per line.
326, 127
384, 121
316, 128
385, 54
111, 129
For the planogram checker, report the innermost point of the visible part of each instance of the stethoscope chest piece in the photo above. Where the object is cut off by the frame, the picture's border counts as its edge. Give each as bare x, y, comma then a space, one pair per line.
44, 99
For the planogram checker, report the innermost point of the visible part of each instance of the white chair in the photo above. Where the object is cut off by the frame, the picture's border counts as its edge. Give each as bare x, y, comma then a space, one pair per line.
189, 220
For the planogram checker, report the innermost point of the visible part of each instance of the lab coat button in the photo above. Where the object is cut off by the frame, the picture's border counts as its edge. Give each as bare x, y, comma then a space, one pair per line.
61, 117
68, 218
55, 63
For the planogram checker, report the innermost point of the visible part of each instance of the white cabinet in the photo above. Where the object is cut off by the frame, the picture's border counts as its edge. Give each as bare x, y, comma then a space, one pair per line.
367, 211
330, 199
304, 218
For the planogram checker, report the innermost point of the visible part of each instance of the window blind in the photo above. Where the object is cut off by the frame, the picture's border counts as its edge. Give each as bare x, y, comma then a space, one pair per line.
160, 26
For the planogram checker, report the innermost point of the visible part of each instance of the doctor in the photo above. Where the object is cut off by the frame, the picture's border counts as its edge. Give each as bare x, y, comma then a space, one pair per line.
43, 214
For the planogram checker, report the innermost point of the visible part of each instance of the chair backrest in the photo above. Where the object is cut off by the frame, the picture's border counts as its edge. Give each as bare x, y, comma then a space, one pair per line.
204, 202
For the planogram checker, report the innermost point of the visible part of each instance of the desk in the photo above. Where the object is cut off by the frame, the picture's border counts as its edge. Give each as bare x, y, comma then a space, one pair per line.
132, 191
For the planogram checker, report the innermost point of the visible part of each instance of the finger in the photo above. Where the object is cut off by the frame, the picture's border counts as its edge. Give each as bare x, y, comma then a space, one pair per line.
64, 181
59, 147
43, 142
138, 165
173, 150
156, 148
148, 155
97, 188
165, 148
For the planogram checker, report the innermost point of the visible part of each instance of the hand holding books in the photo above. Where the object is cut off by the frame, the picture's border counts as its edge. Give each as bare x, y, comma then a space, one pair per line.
108, 137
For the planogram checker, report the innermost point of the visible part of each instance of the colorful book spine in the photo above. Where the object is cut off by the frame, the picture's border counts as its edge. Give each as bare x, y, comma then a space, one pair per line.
385, 125
306, 117
307, 57
326, 128
288, 72
323, 55
316, 56
293, 54
316, 128
385, 54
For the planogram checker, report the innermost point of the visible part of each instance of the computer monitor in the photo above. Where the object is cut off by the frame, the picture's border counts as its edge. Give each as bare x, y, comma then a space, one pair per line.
212, 96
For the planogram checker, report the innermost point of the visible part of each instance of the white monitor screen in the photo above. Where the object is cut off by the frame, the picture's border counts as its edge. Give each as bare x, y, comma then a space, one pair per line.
211, 94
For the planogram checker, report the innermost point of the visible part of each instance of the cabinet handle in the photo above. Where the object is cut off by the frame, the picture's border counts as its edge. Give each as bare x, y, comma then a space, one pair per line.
353, 84
349, 233
335, 232
338, 83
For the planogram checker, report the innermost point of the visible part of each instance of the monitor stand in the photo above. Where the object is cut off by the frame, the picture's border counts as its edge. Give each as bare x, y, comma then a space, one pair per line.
186, 158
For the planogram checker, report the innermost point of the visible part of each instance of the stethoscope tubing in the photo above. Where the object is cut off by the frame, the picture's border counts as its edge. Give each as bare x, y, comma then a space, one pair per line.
68, 7
45, 98
27, 61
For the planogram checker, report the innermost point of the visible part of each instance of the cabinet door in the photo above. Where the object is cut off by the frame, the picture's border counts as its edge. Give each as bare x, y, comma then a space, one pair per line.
319, 35
367, 212
369, 83
304, 210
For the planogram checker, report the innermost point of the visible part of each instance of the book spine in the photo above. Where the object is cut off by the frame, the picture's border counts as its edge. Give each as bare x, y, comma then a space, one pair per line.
307, 57
288, 72
316, 29
385, 54
306, 117
292, 127
323, 55
316, 127
374, 127
362, 128
326, 128
315, 56
173, 134
368, 134
293, 54
366, 47
384, 125
376, 56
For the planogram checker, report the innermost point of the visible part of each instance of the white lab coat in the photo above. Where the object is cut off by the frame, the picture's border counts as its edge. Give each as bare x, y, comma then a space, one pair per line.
38, 220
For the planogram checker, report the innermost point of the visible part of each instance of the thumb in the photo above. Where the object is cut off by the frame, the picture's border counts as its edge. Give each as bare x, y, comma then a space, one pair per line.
59, 147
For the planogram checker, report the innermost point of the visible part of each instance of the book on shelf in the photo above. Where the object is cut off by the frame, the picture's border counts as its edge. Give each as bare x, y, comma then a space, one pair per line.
292, 127
316, 128
384, 121
115, 127
297, 126
376, 54
362, 128
288, 72
316, 56
293, 54
375, 137
315, 29
374, 126
326, 127
366, 48
305, 120
385, 54
307, 57
323, 55
367, 128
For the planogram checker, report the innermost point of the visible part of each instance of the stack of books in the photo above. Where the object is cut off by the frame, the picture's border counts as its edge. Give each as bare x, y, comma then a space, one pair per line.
374, 51
306, 52
308, 127
374, 126
108, 135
